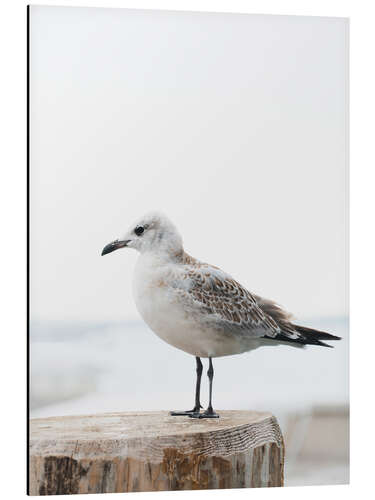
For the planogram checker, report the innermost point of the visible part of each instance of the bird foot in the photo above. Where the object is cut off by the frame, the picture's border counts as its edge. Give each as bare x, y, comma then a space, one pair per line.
209, 413
188, 413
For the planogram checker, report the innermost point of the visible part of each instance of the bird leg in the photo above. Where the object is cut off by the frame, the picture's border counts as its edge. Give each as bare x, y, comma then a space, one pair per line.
197, 406
209, 413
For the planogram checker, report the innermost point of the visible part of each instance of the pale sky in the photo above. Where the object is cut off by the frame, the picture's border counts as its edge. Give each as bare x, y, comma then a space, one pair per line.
234, 125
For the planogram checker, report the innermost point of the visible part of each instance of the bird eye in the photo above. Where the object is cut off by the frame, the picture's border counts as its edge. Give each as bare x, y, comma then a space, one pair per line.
139, 230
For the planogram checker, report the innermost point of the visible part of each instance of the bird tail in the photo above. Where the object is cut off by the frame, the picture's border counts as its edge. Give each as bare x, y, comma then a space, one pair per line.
308, 336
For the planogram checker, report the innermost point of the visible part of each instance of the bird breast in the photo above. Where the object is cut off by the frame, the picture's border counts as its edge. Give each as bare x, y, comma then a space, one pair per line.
161, 308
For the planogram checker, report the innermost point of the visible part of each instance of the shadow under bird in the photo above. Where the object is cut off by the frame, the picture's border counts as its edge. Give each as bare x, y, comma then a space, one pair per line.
199, 308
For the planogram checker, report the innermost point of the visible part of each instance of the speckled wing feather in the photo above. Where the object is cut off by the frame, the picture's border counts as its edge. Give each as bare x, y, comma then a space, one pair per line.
224, 301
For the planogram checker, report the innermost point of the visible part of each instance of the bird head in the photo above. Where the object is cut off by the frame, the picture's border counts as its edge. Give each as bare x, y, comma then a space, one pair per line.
153, 232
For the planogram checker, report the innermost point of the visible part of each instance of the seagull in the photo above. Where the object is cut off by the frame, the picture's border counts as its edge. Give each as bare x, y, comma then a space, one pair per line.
200, 309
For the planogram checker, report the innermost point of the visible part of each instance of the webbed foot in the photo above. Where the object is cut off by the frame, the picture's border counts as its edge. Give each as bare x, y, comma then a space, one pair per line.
209, 413
189, 413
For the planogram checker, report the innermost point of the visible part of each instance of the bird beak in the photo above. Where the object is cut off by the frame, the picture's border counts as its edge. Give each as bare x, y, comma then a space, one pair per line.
115, 245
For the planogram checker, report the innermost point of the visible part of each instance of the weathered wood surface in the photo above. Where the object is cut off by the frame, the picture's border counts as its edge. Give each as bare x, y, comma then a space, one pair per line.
152, 451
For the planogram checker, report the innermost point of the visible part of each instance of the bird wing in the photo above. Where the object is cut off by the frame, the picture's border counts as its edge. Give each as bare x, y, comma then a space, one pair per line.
223, 301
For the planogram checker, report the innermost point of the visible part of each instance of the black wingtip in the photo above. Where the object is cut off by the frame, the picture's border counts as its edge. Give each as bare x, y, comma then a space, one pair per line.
323, 344
315, 337
308, 336
334, 337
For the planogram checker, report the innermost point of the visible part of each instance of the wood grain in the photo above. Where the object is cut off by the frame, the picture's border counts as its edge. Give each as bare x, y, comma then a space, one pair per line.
152, 451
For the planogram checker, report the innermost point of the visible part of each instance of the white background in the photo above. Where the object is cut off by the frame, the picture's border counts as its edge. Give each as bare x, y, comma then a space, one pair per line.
13, 243
234, 125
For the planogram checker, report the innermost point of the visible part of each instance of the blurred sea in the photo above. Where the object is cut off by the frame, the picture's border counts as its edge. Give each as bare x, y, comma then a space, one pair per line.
81, 368
84, 367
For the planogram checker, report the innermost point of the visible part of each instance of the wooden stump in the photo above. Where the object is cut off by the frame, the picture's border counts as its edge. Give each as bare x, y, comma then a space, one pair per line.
152, 451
